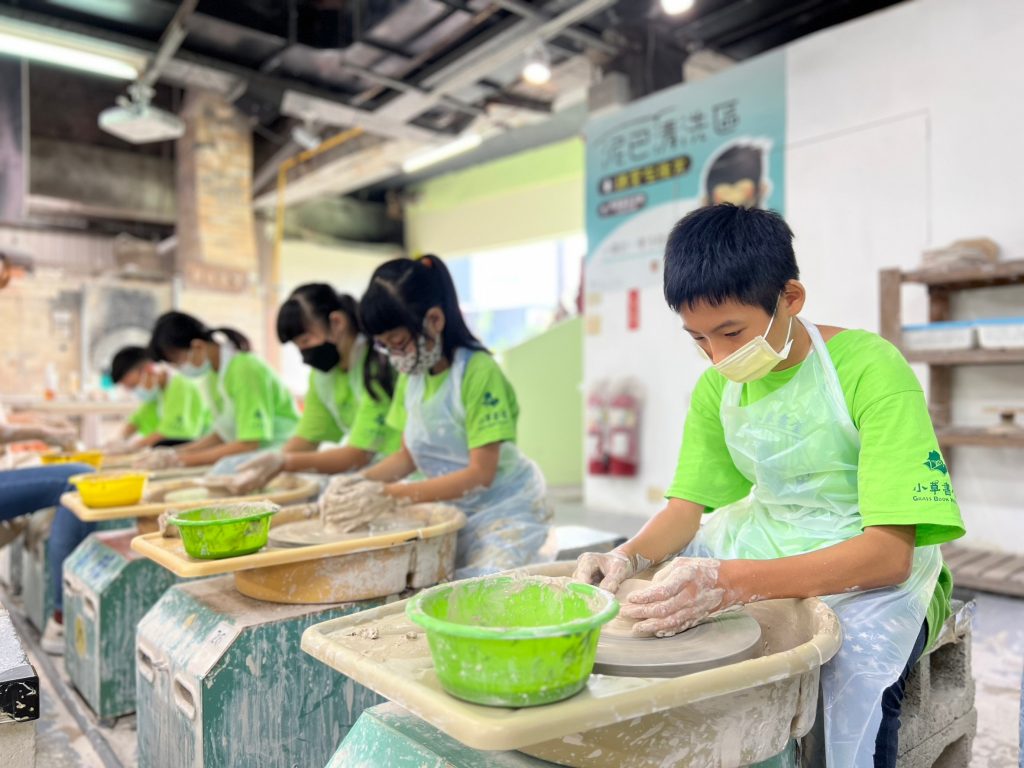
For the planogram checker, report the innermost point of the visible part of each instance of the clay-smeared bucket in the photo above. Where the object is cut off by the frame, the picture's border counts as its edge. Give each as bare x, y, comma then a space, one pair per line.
513, 641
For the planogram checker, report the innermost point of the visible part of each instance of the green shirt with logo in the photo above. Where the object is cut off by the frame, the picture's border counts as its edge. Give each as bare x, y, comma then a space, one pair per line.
179, 412
362, 419
264, 408
901, 476
487, 397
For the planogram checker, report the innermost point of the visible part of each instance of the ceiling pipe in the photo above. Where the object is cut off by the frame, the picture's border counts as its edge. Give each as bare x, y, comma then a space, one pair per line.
170, 41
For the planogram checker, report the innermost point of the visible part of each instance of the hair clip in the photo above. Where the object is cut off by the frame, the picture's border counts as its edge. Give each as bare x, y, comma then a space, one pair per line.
427, 261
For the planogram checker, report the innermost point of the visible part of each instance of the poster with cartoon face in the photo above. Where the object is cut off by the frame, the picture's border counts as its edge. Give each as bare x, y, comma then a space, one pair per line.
719, 140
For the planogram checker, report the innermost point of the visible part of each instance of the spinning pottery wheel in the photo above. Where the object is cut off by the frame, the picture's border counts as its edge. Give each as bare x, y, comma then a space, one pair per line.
722, 640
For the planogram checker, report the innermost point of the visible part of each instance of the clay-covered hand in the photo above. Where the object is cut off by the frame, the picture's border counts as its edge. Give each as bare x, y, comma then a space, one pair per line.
54, 434
347, 508
255, 473
120, 447
159, 458
342, 483
682, 595
608, 570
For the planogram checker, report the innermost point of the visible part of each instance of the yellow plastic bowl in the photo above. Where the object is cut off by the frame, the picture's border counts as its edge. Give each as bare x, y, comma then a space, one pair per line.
121, 489
92, 458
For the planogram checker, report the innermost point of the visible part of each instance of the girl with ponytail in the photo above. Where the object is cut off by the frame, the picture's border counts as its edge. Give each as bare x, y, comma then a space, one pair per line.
457, 413
251, 406
350, 386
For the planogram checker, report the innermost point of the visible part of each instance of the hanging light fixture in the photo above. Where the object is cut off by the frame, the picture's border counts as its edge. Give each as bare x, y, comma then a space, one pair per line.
676, 7
537, 70
72, 51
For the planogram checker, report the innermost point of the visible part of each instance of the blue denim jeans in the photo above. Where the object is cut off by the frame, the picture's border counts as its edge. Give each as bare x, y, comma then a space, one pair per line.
888, 739
24, 491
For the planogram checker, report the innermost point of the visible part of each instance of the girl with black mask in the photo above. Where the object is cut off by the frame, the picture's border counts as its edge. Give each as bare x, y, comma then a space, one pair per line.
350, 387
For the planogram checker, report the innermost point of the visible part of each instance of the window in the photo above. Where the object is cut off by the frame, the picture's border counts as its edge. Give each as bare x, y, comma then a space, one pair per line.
509, 295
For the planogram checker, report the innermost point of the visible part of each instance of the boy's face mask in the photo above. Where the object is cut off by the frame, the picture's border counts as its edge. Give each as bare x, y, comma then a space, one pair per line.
755, 359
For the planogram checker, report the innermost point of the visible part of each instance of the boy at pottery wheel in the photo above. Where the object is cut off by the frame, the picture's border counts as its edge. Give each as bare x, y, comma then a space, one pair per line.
809, 467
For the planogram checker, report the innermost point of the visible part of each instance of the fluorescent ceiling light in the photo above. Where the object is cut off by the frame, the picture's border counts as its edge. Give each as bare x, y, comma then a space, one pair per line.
62, 49
436, 155
675, 7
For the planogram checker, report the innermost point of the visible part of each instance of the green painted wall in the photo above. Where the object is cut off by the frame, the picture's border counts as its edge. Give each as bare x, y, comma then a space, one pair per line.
547, 373
534, 195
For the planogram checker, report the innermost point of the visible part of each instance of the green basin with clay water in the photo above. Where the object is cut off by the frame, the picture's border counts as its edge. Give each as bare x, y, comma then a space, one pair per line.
513, 641
216, 531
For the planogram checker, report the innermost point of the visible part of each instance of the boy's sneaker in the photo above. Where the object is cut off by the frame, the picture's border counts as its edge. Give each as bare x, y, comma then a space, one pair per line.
52, 640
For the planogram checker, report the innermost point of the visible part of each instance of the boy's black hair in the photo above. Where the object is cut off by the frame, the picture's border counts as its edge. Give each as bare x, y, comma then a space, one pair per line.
314, 302
401, 292
126, 360
724, 252
738, 162
177, 330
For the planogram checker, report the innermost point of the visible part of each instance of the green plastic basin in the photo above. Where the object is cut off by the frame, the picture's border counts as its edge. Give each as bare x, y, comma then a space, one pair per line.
228, 530
509, 641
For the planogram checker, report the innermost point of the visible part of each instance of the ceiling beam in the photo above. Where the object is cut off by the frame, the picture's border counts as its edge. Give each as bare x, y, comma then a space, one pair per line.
488, 57
193, 70
584, 38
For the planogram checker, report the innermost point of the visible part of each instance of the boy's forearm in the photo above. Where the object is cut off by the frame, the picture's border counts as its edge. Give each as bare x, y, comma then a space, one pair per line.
668, 532
880, 557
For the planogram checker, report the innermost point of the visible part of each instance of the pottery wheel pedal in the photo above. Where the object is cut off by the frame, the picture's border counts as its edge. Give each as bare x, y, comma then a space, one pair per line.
725, 639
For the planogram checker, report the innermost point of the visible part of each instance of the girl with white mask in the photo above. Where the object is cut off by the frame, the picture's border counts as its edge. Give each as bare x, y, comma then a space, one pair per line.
457, 413
809, 468
252, 409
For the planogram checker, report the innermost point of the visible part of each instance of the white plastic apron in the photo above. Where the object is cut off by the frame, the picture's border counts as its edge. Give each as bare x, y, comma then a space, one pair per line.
224, 422
324, 383
508, 522
799, 448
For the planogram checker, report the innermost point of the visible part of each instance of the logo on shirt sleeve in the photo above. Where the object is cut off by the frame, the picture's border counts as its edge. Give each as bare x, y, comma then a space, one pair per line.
936, 463
490, 400
935, 490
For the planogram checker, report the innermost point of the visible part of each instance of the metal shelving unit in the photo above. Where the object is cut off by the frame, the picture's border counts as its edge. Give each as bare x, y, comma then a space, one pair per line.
992, 571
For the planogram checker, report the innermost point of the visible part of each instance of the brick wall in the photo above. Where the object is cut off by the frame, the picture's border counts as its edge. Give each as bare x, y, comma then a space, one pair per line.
217, 256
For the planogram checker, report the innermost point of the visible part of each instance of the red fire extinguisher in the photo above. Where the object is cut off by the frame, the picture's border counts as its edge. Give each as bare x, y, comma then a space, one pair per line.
624, 433
597, 431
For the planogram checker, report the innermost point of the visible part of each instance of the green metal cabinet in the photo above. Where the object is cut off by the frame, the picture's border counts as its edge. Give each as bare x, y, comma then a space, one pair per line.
107, 590
222, 682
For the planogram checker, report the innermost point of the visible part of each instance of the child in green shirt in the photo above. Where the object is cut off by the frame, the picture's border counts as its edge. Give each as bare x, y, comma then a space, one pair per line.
809, 467
251, 407
349, 395
172, 409
457, 414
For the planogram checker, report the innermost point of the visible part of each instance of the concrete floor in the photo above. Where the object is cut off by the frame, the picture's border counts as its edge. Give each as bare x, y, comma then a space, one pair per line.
70, 737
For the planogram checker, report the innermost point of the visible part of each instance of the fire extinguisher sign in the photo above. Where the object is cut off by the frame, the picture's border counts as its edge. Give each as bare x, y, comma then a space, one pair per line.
633, 310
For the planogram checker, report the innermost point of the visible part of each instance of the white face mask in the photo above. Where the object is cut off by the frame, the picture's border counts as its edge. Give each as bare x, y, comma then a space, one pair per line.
755, 359
420, 360
146, 394
188, 370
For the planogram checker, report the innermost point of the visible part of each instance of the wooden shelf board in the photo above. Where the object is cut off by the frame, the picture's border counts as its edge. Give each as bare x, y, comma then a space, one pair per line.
999, 572
1000, 273
981, 437
967, 357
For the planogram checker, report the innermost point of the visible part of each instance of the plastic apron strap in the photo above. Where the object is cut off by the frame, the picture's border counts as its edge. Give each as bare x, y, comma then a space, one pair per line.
507, 522
224, 423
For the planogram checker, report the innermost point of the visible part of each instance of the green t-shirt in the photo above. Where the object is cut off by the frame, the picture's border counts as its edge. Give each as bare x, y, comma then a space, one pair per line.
178, 413
264, 408
901, 477
362, 417
487, 397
